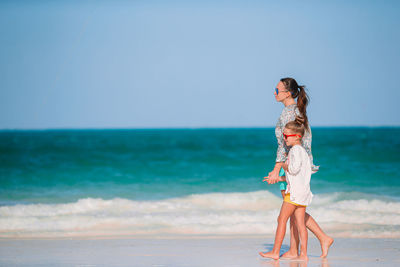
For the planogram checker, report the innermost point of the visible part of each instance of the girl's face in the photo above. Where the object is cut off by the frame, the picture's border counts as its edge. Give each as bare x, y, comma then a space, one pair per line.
291, 138
282, 92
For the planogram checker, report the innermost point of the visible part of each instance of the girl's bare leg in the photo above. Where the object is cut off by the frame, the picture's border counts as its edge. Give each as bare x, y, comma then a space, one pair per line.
294, 237
293, 251
299, 215
325, 240
287, 210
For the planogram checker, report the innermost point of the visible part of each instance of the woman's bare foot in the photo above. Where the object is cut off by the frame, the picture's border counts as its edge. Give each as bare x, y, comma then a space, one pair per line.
301, 257
270, 254
290, 254
325, 244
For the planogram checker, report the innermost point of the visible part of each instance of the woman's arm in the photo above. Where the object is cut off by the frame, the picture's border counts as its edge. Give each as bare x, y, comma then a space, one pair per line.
286, 116
281, 153
273, 176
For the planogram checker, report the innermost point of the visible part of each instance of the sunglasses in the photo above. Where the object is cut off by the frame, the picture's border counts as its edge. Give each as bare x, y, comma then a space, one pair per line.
289, 135
277, 91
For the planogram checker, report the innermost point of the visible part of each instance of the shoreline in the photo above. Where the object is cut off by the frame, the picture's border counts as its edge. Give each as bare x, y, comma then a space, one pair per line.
176, 237
163, 251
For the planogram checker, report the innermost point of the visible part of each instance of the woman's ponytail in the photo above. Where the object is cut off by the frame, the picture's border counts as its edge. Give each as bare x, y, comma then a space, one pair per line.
302, 102
299, 92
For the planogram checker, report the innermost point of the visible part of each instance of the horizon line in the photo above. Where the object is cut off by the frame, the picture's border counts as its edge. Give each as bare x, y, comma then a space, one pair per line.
187, 128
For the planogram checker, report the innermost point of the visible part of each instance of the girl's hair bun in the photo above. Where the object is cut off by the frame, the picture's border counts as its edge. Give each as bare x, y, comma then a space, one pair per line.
296, 126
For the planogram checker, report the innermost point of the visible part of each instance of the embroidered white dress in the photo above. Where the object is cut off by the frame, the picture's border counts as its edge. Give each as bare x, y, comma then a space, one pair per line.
298, 176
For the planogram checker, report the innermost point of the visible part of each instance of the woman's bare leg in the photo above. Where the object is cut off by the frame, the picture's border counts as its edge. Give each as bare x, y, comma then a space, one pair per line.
287, 210
325, 240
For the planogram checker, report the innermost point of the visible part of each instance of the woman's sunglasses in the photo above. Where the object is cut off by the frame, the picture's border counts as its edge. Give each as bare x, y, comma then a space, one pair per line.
277, 91
289, 135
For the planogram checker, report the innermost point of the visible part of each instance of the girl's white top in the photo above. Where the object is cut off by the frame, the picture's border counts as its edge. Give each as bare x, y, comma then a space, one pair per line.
298, 176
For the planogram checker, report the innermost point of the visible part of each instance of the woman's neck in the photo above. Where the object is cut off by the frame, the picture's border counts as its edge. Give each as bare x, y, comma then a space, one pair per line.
288, 101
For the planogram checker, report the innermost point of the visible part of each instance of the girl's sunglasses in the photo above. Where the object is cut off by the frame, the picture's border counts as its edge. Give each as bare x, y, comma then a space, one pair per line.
288, 135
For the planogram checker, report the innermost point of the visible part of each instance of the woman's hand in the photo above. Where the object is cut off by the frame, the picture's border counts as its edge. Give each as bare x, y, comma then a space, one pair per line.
273, 177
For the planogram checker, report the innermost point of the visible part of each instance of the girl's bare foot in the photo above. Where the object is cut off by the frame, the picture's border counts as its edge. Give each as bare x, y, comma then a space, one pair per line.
290, 254
301, 257
270, 254
325, 244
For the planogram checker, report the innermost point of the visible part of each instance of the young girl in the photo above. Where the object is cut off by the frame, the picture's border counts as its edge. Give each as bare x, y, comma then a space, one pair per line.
297, 195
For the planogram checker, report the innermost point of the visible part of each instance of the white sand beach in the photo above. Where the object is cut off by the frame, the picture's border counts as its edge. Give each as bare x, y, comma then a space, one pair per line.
196, 251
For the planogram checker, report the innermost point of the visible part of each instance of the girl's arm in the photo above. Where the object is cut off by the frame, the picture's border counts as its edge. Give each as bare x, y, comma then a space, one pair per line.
285, 165
294, 161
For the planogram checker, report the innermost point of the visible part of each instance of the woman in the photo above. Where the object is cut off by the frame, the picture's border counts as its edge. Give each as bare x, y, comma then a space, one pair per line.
286, 92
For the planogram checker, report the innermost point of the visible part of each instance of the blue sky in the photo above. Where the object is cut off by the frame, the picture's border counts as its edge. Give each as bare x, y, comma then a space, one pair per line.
156, 64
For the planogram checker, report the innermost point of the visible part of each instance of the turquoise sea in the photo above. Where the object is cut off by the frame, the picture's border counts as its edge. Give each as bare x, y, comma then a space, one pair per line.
190, 181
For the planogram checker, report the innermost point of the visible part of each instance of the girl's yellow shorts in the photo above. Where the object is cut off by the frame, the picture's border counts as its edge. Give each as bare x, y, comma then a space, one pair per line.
287, 199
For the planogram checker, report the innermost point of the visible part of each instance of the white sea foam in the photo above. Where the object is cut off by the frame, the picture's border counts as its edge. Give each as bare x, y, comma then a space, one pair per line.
206, 214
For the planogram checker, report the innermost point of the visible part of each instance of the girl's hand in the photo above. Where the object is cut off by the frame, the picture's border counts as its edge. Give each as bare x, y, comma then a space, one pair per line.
285, 167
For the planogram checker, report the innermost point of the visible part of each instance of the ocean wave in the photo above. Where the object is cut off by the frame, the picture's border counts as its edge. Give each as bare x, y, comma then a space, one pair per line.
340, 214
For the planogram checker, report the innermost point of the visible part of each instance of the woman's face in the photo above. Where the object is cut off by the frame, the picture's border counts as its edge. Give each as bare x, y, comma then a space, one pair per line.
282, 92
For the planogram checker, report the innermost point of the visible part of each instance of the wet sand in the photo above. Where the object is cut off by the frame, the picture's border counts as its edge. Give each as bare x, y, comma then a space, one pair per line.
187, 251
